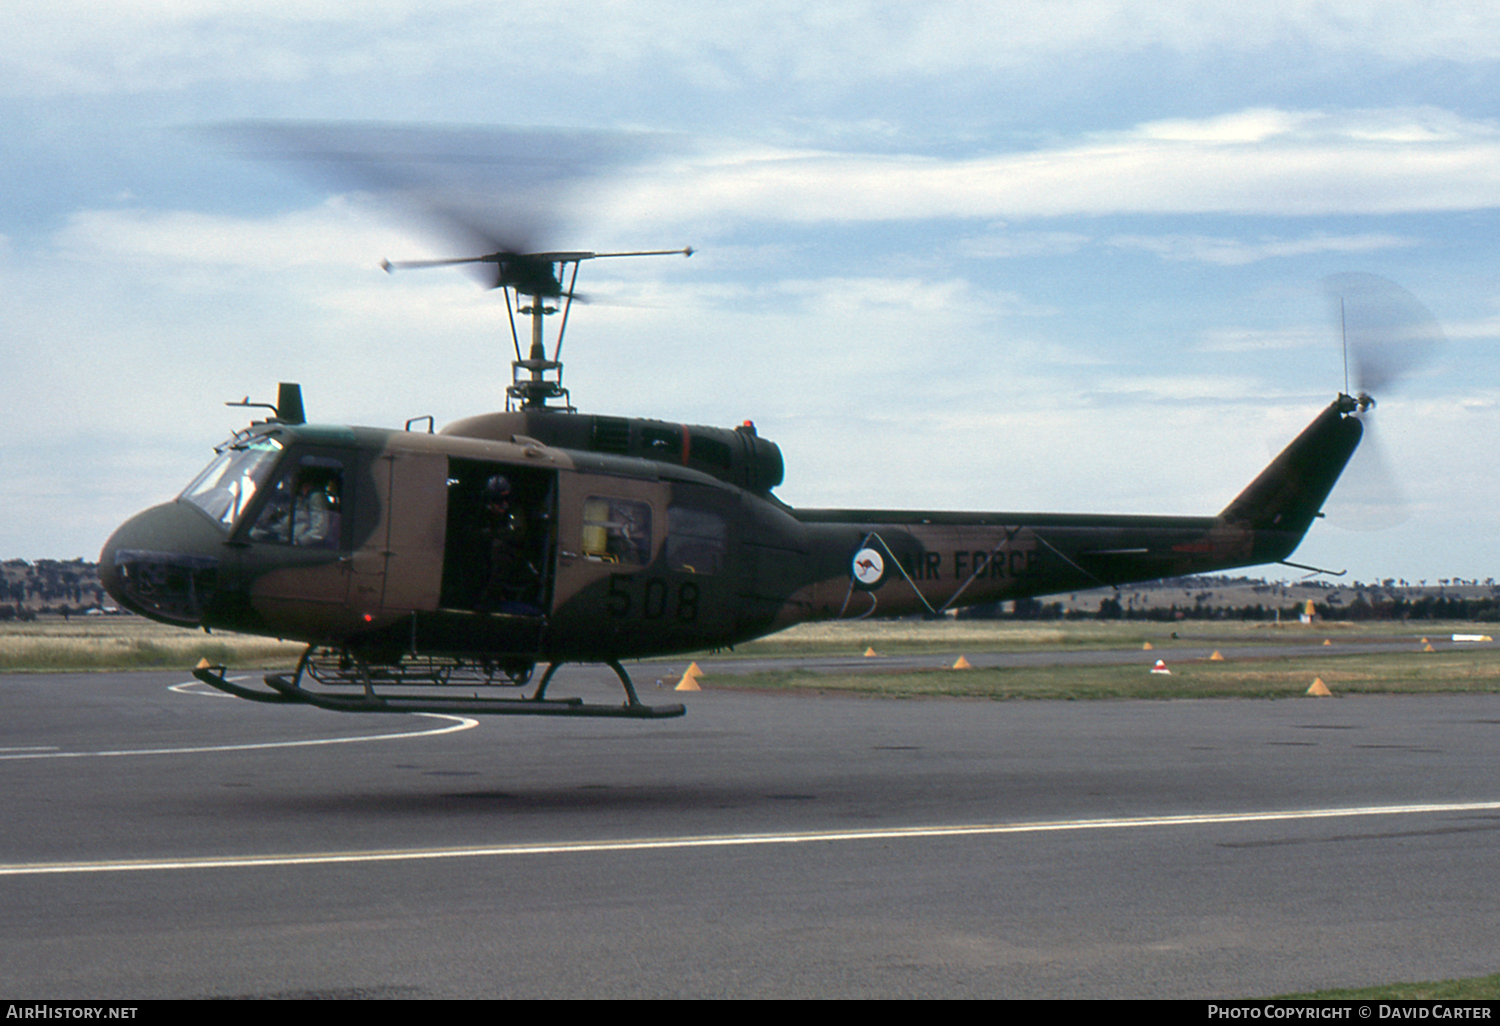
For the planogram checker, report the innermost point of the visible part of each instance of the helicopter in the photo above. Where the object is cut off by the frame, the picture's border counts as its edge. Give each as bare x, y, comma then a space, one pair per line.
436, 571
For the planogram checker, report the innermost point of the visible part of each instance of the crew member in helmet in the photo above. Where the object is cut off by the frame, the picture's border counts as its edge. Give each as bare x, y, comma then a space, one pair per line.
511, 577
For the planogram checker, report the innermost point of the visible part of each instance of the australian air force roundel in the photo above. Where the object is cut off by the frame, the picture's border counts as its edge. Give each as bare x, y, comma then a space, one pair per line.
868, 568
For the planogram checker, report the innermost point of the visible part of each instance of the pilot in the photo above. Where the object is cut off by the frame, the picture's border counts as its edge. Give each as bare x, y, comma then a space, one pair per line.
314, 520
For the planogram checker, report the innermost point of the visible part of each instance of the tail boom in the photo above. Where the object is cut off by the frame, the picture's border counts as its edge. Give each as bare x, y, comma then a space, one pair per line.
934, 561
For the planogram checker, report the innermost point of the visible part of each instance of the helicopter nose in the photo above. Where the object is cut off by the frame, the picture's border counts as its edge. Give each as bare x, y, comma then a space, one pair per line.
164, 563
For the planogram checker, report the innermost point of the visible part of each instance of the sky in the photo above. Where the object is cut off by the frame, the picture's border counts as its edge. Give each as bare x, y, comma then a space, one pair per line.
1019, 256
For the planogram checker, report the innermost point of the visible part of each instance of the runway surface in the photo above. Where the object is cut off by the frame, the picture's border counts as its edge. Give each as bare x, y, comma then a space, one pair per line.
162, 841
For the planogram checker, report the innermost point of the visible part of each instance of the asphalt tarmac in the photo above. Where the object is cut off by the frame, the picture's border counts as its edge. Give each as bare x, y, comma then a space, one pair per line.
161, 840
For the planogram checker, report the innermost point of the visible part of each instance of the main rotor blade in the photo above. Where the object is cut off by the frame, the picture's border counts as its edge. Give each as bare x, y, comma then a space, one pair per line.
389, 266
484, 190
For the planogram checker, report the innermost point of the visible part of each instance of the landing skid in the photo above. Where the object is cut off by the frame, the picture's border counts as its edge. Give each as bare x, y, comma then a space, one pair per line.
433, 675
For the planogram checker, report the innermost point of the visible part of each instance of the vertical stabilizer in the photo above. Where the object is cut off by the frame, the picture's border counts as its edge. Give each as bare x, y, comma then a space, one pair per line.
1281, 503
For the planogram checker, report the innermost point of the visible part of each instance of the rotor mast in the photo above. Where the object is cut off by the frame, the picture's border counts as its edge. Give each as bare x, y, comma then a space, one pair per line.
534, 278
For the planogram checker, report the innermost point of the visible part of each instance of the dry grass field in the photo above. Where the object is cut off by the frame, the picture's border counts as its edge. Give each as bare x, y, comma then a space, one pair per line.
1459, 670
128, 642
899, 637
1242, 672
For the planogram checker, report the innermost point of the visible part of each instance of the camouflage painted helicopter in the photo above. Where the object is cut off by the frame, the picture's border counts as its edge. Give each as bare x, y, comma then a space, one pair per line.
419, 565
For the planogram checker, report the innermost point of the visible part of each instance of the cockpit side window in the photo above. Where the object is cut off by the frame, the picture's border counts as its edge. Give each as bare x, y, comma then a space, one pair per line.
227, 486
305, 506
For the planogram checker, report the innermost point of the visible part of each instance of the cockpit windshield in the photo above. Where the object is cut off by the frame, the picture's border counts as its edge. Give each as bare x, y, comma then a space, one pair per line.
225, 489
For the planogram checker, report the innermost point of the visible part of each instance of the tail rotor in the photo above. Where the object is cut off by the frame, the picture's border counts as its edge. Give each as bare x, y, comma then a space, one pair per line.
1388, 335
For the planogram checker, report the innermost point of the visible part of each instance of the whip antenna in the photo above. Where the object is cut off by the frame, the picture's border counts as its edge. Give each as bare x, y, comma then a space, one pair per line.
1344, 339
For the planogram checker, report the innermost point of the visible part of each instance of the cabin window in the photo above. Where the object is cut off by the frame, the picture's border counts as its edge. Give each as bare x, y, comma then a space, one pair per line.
227, 486
305, 506
617, 530
695, 540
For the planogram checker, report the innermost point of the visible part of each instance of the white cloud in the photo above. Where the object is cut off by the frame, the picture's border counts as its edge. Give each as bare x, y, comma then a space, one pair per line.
1006, 243
1264, 124
331, 234
1486, 329
1251, 340
1235, 252
1261, 163
78, 46
1248, 126
1213, 249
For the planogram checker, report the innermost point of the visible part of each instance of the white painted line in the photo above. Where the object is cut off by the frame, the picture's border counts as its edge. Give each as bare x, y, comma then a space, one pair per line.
190, 687
460, 723
731, 840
